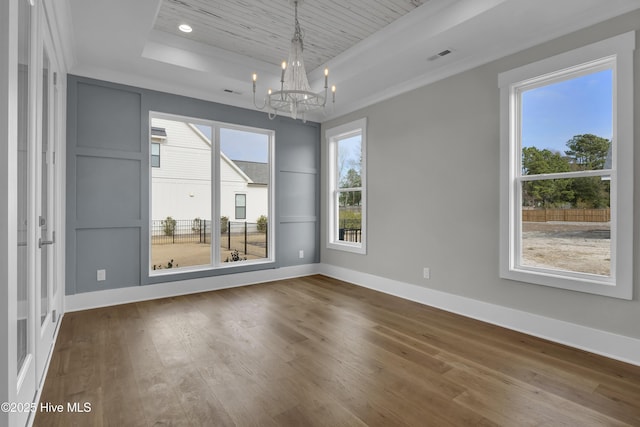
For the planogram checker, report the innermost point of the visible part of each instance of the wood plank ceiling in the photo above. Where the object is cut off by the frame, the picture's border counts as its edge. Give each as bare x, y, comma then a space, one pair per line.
262, 29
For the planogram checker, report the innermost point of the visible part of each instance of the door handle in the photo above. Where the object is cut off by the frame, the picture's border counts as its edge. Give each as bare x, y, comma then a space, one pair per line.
42, 243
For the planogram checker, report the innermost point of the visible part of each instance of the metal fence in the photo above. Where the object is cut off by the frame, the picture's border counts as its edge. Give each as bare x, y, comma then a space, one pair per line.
350, 230
246, 237
168, 231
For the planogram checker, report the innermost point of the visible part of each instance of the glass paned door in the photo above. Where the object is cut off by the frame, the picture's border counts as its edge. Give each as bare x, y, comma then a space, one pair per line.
48, 299
44, 192
25, 317
24, 66
35, 299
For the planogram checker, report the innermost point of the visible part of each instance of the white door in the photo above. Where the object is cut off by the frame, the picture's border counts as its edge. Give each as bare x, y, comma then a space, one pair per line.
48, 301
38, 296
25, 293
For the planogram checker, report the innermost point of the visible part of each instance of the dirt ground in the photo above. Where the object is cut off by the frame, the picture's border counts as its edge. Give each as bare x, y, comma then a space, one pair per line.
573, 246
189, 254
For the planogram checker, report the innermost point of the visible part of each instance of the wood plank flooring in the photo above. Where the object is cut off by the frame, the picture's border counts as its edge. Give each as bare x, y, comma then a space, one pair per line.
315, 351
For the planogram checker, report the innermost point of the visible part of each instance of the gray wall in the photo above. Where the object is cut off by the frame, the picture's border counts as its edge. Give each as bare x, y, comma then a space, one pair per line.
433, 192
108, 184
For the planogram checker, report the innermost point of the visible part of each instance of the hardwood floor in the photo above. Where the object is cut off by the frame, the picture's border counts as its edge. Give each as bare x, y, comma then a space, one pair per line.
317, 351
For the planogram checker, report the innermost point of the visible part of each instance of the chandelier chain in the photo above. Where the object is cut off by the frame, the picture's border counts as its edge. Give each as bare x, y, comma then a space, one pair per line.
298, 34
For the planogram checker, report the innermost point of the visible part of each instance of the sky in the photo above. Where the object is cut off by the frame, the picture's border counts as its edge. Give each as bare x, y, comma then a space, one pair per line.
349, 153
553, 114
241, 145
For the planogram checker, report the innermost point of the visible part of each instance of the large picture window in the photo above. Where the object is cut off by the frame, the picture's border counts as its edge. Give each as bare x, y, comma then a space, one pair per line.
567, 148
347, 187
197, 219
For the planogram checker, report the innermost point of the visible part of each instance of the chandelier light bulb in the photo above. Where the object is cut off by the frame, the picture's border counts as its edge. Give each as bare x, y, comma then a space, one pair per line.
255, 77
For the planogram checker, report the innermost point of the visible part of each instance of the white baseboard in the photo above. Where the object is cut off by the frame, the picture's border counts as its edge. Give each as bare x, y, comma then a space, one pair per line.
619, 347
596, 341
88, 300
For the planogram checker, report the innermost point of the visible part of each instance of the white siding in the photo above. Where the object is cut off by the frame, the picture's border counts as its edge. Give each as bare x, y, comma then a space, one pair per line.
257, 198
181, 186
184, 154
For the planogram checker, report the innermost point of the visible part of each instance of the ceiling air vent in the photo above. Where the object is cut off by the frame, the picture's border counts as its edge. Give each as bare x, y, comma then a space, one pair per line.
235, 92
439, 55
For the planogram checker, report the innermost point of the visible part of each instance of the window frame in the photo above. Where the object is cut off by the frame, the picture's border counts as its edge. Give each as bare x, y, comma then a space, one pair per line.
616, 54
154, 155
333, 137
238, 206
216, 263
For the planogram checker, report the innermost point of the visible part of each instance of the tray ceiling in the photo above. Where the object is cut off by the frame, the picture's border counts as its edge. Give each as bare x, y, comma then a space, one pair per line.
262, 29
375, 49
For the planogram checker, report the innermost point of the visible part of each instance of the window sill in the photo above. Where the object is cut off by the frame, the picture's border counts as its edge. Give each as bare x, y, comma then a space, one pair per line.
347, 247
209, 268
579, 282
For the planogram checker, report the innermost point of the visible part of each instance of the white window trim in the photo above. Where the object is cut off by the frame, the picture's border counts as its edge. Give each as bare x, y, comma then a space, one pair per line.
620, 284
235, 205
156, 155
333, 135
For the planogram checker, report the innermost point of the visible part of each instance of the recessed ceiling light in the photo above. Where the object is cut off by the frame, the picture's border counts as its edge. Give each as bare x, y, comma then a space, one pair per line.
185, 28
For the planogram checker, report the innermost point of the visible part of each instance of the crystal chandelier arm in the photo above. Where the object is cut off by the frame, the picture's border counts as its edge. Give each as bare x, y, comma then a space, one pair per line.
333, 100
264, 104
326, 85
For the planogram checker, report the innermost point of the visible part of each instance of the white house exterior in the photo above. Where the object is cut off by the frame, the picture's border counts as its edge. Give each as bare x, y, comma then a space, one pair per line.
181, 183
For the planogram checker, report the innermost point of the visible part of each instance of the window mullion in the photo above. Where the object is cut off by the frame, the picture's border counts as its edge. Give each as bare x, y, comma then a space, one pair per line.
567, 175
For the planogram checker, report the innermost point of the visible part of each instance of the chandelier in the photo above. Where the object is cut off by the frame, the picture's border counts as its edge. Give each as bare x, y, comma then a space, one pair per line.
295, 95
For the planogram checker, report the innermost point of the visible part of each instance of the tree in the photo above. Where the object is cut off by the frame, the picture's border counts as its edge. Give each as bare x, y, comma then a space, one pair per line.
584, 152
548, 192
588, 151
591, 192
351, 180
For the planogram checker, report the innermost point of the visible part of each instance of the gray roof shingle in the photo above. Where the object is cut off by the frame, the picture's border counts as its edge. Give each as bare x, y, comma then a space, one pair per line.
258, 172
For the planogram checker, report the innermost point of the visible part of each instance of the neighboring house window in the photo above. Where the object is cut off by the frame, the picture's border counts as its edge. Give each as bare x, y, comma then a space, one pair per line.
241, 206
347, 187
155, 155
209, 169
567, 170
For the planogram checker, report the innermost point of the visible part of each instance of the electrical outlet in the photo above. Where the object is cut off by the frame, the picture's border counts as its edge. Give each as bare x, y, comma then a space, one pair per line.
301, 254
101, 275
426, 272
